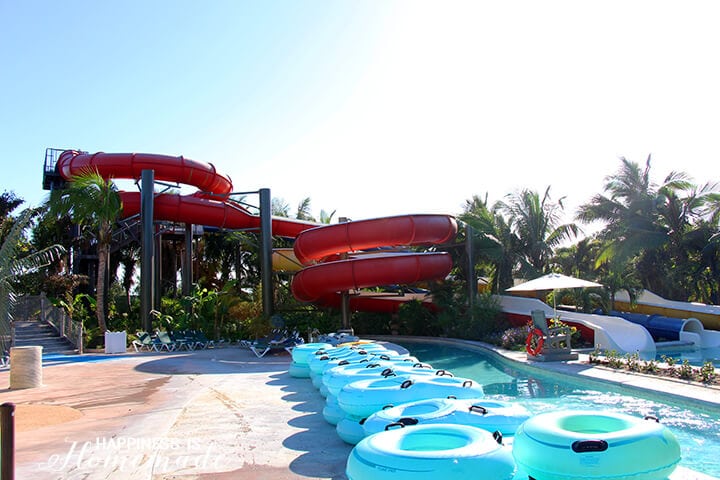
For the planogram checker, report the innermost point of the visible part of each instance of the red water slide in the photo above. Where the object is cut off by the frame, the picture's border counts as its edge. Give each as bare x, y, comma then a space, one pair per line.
322, 282
130, 165
318, 283
209, 206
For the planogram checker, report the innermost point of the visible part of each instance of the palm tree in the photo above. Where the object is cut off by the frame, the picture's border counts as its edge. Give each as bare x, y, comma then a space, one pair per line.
279, 207
129, 257
653, 226
629, 210
91, 201
536, 223
325, 217
15, 262
708, 273
9, 202
303, 210
495, 244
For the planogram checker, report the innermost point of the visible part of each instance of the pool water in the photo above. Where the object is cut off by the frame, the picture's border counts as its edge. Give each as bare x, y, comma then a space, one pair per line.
698, 431
696, 357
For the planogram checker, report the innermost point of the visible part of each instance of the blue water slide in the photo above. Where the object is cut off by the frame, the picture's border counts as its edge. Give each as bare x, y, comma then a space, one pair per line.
667, 328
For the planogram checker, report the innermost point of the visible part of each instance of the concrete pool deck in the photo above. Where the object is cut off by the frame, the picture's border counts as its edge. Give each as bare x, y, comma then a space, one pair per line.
209, 415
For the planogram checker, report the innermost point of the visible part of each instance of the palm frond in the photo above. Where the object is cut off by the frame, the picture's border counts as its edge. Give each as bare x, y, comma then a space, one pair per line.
11, 244
31, 262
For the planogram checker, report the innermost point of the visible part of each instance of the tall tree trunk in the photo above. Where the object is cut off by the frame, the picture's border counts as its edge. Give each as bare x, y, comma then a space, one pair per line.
103, 253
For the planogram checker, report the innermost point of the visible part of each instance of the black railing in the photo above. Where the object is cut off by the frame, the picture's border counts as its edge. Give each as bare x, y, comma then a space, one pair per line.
52, 179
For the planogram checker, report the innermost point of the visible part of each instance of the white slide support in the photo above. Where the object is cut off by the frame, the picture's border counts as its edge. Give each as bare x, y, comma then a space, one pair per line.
611, 333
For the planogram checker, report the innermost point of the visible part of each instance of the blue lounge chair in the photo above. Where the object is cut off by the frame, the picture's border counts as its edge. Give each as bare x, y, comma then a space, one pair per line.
278, 340
164, 341
145, 341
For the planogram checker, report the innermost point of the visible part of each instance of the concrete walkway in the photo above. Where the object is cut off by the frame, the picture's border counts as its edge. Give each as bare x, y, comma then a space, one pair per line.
212, 414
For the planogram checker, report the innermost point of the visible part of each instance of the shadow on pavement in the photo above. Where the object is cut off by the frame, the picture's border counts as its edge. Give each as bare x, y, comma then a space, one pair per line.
325, 453
213, 361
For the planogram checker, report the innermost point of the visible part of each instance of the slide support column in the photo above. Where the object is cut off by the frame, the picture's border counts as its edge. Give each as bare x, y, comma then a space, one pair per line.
266, 251
471, 278
187, 270
345, 295
147, 254
157, 269
345, 309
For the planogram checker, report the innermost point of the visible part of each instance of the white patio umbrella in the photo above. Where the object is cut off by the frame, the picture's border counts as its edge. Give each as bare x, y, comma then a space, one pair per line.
553, 281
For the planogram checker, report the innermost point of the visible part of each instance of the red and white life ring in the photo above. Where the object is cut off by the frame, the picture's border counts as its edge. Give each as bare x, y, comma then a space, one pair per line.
534, 342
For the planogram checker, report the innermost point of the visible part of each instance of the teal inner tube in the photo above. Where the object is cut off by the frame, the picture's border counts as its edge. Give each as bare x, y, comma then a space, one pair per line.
492, 415
430, 452
574, 445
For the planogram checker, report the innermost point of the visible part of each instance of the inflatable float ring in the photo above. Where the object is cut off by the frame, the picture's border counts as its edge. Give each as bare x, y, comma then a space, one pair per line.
535, 349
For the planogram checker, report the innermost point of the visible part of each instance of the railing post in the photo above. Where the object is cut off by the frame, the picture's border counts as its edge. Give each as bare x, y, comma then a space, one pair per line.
80, 339
7, 441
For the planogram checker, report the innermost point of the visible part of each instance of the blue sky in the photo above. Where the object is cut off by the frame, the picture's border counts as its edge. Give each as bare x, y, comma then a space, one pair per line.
370, 108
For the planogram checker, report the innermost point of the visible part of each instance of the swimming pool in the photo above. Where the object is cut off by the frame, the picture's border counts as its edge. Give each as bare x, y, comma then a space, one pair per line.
697, 430
695, 356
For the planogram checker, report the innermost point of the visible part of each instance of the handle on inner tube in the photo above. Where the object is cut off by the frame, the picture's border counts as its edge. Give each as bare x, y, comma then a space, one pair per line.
582, 446
406, 384
479, 409
390, 426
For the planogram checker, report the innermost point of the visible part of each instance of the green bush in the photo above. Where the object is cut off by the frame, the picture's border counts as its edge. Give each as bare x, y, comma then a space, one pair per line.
371, 323
482, 322
414, 318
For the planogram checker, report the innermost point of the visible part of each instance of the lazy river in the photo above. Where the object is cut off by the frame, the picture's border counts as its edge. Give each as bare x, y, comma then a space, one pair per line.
697, 430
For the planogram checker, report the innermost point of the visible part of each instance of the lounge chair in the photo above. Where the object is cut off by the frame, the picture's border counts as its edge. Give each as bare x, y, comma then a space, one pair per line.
337, 338
295, 340
556, 340
164, 341
277, 340
145, 341
201, 339
181, 340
